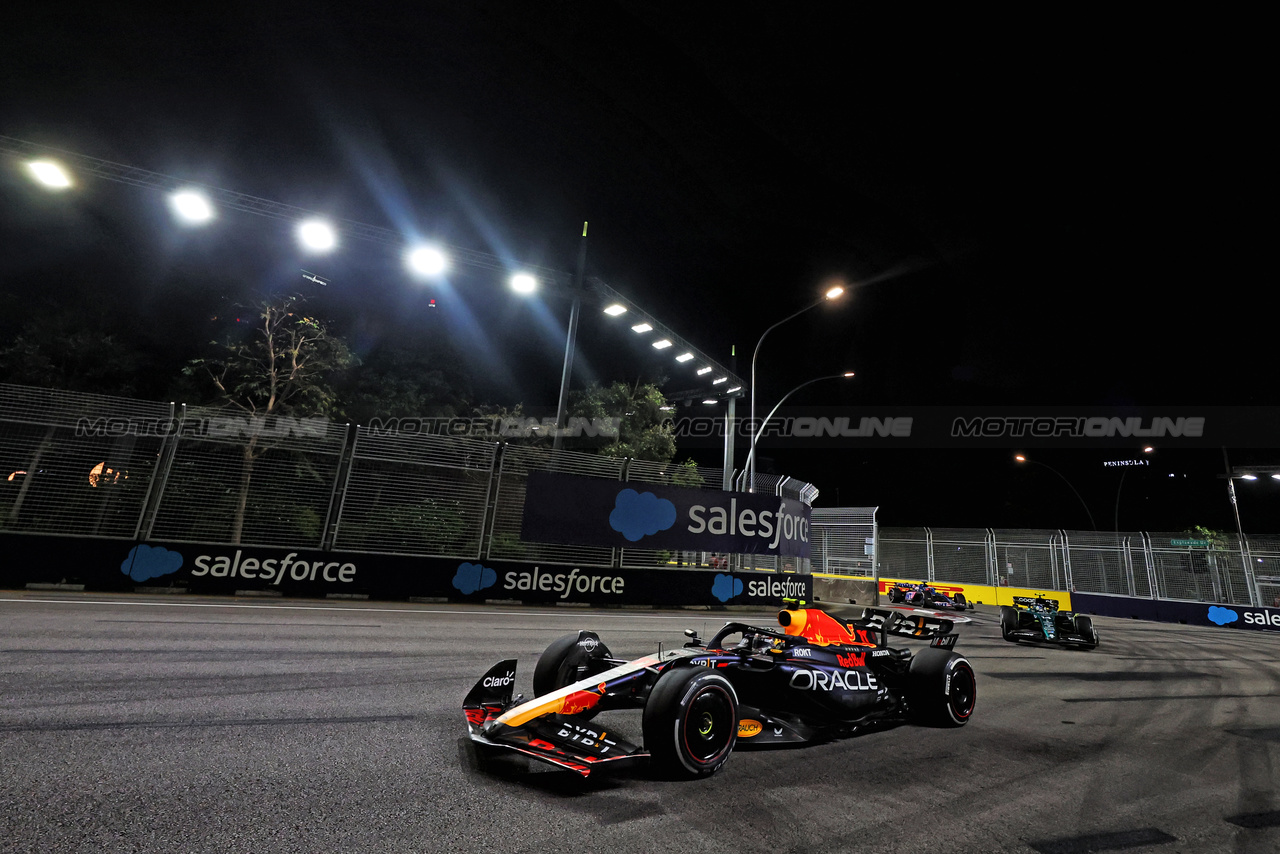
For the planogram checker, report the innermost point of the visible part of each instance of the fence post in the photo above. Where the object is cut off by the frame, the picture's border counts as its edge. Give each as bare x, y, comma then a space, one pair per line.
993, 558
1149, 556
338, 495
1066, 561
928, 554
155, 491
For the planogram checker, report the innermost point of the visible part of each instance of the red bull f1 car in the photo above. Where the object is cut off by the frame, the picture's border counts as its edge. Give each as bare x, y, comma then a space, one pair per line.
814, 678
1038, 619
923, 595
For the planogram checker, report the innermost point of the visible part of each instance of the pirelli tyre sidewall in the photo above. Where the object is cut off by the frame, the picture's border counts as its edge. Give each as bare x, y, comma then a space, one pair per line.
690, 722
1084, 627
943, 688
1008, 621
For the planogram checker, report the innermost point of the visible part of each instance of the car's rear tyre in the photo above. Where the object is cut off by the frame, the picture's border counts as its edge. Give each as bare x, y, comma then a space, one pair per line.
690, 722
943, 689
560, 662
1008, 621
895, 595
1084, 627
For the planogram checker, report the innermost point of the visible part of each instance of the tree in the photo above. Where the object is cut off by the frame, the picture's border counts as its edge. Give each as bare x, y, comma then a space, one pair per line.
403, 381
645, 432
75, 351
281, 361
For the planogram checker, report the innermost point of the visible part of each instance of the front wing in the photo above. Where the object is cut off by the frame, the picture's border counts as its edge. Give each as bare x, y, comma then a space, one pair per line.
552, 728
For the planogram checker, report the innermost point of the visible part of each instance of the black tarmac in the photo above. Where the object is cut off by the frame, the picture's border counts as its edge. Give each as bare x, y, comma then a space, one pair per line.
192, 724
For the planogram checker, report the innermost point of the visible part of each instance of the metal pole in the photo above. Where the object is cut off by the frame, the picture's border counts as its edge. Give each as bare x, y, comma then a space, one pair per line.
570, 340
751, 477
751, 453
726, 478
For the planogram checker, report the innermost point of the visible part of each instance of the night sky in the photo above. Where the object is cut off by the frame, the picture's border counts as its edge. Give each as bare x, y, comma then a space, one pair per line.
1051, 207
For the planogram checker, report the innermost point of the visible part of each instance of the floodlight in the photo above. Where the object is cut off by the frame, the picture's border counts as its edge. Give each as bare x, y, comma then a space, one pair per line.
317, 235
662, 344
719, 380
523, 283
426, 261
191, 206
710, 400
684, 357
642, 327
834, 292
702, 371
615, 310
49, 173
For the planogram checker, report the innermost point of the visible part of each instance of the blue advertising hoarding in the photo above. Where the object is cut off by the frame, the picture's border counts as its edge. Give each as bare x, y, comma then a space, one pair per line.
561, 508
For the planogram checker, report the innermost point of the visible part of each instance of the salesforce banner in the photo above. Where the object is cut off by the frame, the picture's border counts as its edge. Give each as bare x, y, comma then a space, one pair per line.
590, 511
34, 562
1169, 611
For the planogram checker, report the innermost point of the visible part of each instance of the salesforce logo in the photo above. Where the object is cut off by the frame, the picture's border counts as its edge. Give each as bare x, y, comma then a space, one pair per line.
641, 514
725, 587
471, 577
146, 562
1222, 616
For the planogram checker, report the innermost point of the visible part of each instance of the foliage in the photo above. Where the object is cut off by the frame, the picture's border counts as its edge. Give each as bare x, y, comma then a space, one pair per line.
1217, 539
401, 381
74, 351
687, 474
645, 432
282, 364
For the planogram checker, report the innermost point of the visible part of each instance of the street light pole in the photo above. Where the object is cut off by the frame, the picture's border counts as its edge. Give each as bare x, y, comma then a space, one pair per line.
1020, 458
557, 442
755, 436
831, 294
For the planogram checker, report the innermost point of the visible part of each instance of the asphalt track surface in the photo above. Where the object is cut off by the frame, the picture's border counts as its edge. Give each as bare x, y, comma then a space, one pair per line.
152, 724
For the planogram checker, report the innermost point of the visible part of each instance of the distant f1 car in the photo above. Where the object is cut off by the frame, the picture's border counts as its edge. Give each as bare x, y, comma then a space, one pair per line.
923, 595
819, 677
1038, 619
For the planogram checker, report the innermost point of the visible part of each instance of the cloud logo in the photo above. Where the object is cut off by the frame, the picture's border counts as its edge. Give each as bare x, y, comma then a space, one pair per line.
146, 562
1222, 616
471, 577
640, 514
725, 587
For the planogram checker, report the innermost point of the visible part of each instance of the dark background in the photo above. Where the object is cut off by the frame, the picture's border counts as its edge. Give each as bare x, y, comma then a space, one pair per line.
1051, 207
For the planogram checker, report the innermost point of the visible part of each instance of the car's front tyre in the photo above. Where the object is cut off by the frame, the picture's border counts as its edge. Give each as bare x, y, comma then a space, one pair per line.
1008, 621
690, 722
568, 659
1084, 627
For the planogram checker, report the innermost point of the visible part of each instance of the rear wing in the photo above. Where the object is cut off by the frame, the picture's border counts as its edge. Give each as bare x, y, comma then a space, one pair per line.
936, 630
1028, 601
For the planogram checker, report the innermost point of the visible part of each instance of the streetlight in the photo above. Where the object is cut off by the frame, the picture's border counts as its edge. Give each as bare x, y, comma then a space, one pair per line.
426, 261
317, 235
831, 294
49, 173
191, 207
755, 437
1022, 459
1246, 473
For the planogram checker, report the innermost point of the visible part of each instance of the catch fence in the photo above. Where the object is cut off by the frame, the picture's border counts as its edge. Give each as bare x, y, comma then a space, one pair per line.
96, 466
